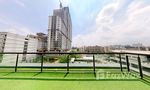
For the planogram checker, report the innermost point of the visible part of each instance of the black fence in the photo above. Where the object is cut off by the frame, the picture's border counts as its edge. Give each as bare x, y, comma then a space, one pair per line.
93, 54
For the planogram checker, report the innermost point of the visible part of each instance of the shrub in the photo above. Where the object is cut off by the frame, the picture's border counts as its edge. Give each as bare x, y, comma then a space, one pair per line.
63, 59
46, 58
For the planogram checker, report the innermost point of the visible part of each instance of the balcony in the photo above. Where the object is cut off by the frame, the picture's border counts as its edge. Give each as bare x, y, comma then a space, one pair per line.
67, 70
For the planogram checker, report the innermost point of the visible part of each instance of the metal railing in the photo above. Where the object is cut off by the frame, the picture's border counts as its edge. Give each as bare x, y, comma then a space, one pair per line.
94, 67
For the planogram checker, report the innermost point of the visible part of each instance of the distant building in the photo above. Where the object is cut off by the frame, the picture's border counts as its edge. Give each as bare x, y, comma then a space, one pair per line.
60, 30
82, 49
95, 49
75, 49
137, 45
30, 45
144, 59
42, 42
107, 49
10, 42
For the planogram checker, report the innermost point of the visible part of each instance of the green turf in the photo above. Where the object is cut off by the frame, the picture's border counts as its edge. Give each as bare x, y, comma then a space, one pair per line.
76, 79
65, 75
71, 85
80, 76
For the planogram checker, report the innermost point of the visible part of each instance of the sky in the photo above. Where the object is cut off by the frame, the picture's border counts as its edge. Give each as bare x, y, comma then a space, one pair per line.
95, 22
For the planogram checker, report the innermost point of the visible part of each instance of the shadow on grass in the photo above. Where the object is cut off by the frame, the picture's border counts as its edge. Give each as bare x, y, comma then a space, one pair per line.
8, 73
66, 74
53, 79
36, 74
145, 81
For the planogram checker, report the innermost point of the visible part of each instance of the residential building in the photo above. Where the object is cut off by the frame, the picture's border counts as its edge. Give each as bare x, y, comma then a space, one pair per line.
30, 45
60, 30
42, 42
96, 49
11, 42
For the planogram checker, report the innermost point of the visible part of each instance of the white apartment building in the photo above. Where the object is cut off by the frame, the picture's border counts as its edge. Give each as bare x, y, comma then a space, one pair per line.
10, 42
32, 45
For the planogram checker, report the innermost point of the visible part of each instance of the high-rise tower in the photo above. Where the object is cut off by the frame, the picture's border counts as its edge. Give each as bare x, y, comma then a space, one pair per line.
60, 30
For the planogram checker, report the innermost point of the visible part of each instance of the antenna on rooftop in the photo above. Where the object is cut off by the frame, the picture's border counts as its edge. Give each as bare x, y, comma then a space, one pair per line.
60, 4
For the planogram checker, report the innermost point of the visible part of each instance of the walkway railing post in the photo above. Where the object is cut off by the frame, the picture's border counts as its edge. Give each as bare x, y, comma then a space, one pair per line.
120, 62
127, 60
94, 64
140, 67
42, 63
16, 62
68, 63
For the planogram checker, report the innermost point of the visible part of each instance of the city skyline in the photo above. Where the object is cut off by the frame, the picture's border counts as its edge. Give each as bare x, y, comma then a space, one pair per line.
95, 22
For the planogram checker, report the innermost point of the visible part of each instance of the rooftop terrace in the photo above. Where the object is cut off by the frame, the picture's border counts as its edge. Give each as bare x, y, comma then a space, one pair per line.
74, 76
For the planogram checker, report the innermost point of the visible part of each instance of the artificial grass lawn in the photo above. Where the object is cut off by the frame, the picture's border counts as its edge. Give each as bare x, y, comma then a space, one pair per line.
71, 85
75, 80
73, 74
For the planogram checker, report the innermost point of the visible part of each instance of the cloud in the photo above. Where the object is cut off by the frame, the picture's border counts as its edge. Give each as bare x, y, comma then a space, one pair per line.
133, 27
9, 25
20, 3
17, 19
66, 2
105, 16
19, 30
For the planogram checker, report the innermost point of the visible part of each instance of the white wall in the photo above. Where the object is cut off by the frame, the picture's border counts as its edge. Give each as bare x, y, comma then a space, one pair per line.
13, 43
32, 47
